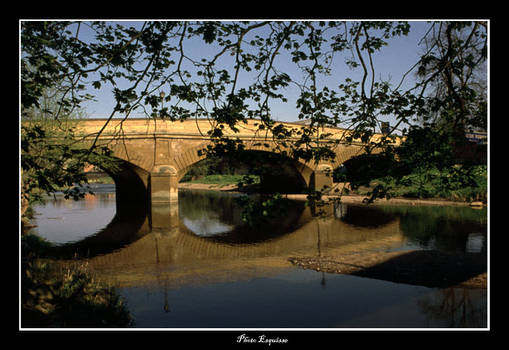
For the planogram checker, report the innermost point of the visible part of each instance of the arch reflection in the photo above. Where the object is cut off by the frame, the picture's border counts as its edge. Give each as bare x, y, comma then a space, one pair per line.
223, 218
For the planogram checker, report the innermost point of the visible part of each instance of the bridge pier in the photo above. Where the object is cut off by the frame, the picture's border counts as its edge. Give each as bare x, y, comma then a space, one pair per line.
322, 178
163, 185
164, 217
164, 199
163, 189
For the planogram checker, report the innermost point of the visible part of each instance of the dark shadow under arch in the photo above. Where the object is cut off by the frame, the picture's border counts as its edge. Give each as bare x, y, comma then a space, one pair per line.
126, 227
132, 184
278, 173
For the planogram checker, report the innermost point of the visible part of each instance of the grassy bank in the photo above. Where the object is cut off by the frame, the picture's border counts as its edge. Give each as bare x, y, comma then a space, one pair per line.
430, 184
54, 294
223, 180
99, 178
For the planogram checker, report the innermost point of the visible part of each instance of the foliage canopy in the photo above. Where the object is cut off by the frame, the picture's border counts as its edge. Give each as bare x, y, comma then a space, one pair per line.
241, 70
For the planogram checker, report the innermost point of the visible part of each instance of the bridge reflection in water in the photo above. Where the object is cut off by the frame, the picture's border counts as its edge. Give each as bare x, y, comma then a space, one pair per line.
203, 239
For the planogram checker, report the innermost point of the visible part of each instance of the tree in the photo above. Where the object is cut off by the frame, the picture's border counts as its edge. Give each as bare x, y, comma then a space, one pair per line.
454, 65
229, 72
52, 158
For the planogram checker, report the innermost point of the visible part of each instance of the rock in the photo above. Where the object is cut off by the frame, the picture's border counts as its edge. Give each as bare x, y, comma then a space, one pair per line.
476, 204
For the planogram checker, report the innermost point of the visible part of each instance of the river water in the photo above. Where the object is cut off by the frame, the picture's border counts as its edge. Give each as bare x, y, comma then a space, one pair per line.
208, 263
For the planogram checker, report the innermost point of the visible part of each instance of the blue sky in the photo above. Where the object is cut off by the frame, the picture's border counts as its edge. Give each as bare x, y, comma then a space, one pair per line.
392, 62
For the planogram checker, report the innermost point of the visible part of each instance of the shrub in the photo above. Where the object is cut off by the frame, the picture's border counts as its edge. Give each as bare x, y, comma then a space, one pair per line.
57, 296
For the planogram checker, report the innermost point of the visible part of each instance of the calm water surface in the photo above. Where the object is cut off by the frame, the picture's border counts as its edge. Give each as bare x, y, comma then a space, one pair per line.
207, 263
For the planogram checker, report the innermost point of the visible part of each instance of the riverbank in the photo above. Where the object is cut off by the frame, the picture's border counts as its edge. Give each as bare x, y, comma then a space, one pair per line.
208, 187
347, 199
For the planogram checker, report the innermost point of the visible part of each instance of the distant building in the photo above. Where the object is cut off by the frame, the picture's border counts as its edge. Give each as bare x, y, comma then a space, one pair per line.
480, 138
476, 150
386, 128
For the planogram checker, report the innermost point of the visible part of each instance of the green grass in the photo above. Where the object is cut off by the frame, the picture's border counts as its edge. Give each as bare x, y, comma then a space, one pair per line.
104, 179
225, 179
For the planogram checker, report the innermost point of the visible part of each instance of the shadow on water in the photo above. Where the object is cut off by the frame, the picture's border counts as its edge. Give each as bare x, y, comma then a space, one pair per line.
428, 268
127, 226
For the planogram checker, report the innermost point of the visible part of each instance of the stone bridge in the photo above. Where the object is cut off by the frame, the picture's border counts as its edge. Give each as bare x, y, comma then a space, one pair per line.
155, 154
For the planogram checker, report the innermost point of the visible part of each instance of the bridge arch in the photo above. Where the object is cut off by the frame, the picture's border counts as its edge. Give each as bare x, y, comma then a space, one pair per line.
304, 171
132, 184
346, 153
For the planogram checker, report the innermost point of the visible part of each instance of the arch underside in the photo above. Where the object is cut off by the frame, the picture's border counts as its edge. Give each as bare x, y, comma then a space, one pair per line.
302, 172
132, 184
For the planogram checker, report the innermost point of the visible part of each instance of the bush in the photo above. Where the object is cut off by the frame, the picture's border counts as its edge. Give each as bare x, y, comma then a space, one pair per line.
456, 183
424, 166
58, 296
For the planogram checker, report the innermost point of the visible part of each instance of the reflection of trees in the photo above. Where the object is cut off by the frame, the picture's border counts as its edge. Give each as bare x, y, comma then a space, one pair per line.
195, 205
457, 307
89, 201
439, 234
437, 227
366, 216
162, 281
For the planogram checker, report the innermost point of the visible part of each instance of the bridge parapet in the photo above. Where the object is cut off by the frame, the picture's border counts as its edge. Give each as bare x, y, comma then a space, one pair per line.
200, 128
